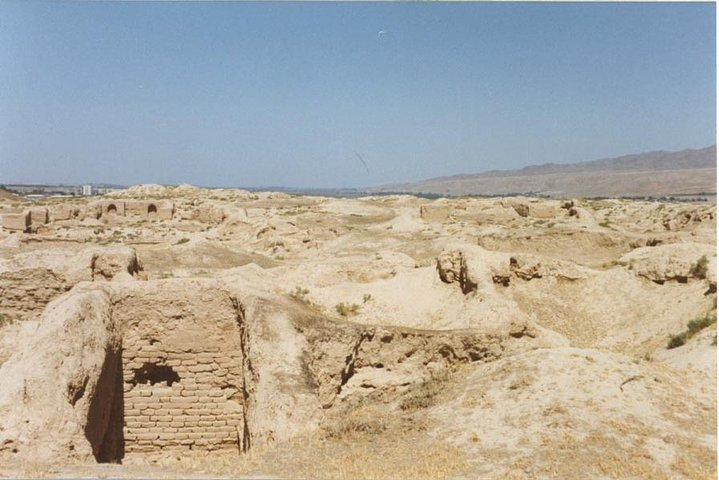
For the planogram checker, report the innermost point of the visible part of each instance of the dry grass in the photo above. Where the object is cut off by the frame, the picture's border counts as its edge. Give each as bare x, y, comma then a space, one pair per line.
364, 457
424, 394
390, 461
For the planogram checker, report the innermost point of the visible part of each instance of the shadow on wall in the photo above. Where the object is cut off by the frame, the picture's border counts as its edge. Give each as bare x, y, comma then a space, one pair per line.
106, 416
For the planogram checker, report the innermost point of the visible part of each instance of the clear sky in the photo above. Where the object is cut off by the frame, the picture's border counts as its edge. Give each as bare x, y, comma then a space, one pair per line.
262, 94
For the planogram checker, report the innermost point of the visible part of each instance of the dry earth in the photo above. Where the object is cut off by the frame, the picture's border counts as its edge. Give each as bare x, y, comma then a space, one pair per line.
222, 333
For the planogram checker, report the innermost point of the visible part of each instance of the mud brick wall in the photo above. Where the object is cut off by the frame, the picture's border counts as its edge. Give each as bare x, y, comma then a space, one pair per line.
182, 375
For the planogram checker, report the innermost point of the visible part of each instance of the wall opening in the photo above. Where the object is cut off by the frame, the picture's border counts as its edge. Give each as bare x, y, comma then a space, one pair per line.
111, 209
152, 209
153, 374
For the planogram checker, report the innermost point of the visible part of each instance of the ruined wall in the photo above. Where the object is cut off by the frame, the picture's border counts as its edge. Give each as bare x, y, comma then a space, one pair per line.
33, 219
55, 389
16, 221
156, 210
103, 208
182, 370
165, 211
139, 208
434, 213
113, 207
64, 212
39, 216
26, 291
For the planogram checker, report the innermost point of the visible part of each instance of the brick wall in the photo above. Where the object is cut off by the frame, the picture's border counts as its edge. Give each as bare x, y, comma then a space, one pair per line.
200, 410
182, 374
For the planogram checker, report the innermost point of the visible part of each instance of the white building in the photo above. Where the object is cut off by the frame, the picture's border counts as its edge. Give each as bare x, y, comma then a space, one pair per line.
87, 190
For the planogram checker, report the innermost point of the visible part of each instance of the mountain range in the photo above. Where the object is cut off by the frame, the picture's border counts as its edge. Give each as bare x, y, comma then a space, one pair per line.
652, 174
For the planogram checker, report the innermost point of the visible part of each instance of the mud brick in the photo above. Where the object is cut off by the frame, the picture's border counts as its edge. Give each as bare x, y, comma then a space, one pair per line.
183, 400
200, 368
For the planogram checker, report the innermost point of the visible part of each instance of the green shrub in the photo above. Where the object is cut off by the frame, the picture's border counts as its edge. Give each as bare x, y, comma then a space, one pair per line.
676, 341
698, 324
699, 269
182, 240
693, 327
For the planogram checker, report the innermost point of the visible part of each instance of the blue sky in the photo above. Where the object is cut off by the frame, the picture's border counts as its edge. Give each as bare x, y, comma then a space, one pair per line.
260, 94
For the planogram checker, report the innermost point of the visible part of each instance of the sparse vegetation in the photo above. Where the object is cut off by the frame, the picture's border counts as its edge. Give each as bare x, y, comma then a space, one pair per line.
616, 263
699, 269
6, 320
182, 240
300, 294
360, 420
693, 327
366, 298
424, 394
347, 309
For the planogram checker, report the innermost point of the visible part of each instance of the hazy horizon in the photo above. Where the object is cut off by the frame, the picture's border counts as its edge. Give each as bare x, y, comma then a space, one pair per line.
292, 94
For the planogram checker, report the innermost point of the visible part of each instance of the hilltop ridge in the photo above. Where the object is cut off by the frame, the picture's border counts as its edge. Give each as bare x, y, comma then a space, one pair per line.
684, 172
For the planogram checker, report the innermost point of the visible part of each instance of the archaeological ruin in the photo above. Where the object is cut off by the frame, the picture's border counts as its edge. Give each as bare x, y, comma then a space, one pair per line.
33, 219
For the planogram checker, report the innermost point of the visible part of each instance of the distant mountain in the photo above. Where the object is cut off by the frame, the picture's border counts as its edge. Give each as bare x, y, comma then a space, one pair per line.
654, 174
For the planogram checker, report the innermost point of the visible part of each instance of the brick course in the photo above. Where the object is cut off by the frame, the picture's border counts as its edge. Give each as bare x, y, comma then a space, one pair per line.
194, 412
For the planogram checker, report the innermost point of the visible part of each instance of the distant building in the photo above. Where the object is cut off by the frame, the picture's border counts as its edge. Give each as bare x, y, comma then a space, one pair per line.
104, 190
44, 190
38, 191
